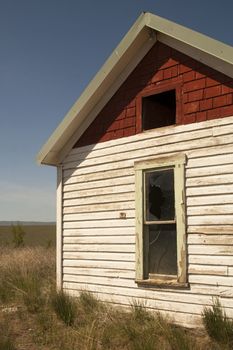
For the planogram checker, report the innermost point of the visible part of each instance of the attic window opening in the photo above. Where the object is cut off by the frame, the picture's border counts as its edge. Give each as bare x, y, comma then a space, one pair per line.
159, 110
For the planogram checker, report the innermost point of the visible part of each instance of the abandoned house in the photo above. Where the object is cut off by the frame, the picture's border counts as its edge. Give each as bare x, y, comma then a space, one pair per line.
145, 175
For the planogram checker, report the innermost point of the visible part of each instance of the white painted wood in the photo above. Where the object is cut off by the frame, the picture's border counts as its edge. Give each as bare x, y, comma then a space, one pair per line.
95, 263
98, 176
95, 208
99, 184
210, 200
115, 248
99, 216
210, 170
211, 210
160, 146
151, 134
210, 229
99, 191
230, 271
127, 257
205, 259
125, 239
98, 232
210, 180
216, 146
100, 223
99, 247
185, 319
107, 198
210, 239
208, 270
59, 229
217, 280
85, 271
208, 190
223, 146
211, 249
210, 219
117, 293
211, 160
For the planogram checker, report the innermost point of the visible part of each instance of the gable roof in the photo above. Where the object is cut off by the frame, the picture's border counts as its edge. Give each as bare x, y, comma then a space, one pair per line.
144, 33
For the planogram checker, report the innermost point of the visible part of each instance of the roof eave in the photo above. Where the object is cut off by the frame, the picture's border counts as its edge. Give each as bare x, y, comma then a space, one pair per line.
207, 50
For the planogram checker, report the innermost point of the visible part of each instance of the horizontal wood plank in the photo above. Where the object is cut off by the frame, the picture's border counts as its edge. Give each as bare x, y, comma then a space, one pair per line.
98, 232
88, 247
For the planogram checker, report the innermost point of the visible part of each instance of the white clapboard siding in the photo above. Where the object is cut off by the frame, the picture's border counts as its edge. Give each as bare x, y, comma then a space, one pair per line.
211, 210
160, 146
109, 215
210, 219
166, 305
99, 223
98, 176
127, 257
207, 190
93, 208
107, 264
217, 145
210, 239
224, 146
209, 170
210, 229
98, 232
210, 160
99, 217
120, 152
120, 248
185, 319
210, 180
214, 125
206, 259
209, 200
130, 239
208, 270
87, 271
99, 191
125, 180
211, 249
218, 280
107, 198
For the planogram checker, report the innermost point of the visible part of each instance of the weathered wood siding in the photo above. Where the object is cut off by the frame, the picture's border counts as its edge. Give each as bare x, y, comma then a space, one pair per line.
99, 246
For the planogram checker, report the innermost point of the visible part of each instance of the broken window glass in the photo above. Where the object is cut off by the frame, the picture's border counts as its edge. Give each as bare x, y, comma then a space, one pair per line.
159, 195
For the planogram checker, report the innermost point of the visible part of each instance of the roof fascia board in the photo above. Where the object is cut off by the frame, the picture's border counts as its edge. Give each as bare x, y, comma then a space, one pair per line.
94, 88
211, 61
197, 40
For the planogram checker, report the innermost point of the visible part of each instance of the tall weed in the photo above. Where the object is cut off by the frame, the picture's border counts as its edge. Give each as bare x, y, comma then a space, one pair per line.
6, 339
217, 325
64, 306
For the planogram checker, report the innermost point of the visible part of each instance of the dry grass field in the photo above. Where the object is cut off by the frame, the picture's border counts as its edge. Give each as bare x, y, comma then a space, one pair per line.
33, 316
35, 235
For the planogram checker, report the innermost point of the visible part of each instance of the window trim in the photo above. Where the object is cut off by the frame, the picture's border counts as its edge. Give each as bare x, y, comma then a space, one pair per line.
178, 163
163, 87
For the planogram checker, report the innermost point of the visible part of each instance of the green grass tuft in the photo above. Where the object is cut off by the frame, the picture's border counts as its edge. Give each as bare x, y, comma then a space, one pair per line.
217, 325
64, 306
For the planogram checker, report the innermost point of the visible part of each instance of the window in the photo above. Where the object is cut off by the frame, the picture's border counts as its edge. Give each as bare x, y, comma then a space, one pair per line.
159, 106
160, 221
159, 110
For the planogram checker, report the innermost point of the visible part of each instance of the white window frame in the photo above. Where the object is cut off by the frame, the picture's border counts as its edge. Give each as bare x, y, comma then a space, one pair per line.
177, 162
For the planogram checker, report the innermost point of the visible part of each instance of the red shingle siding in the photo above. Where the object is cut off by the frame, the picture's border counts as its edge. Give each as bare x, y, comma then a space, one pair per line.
206, 94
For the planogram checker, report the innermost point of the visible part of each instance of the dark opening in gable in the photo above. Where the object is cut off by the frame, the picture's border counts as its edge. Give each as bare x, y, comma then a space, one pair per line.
159, 110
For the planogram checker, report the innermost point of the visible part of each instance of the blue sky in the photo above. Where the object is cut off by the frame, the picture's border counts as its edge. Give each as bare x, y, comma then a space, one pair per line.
49, 51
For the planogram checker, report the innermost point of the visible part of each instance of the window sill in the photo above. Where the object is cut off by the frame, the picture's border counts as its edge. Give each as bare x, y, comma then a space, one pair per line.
161, 283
